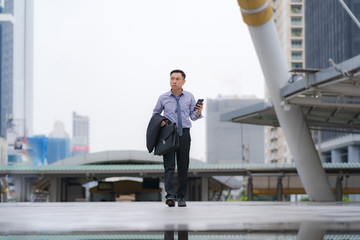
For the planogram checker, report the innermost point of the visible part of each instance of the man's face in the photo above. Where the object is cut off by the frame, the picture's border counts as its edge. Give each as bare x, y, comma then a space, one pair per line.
176, 81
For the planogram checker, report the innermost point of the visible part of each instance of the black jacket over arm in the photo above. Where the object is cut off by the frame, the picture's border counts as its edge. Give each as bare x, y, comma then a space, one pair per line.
153, 130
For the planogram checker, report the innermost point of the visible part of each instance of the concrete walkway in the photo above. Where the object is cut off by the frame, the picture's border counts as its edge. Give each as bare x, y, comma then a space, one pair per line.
113, 217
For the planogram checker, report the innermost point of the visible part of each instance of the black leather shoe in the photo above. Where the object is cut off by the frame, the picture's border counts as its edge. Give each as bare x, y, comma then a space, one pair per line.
170, 201
181, 202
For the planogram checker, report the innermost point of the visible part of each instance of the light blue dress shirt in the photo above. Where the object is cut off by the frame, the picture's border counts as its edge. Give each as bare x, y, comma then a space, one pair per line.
167, 103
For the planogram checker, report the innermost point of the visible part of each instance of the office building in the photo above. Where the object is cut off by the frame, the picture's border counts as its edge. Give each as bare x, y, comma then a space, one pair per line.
58, 149
334, 36
6, 67
59, 131
80, 138
16, 73
16, 77
289, 18
289, 21
228, 142
58, 144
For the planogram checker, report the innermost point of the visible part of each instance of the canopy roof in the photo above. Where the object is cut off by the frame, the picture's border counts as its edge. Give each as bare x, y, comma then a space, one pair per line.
329, 99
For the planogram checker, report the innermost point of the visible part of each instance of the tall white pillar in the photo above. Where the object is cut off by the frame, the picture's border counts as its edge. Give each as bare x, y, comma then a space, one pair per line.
311, 230
258, 16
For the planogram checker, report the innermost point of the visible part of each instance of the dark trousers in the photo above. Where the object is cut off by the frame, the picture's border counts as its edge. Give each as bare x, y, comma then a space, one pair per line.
182, 155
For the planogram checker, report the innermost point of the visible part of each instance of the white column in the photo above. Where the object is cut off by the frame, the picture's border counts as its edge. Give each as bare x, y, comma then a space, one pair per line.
204, 189
19, 188
291, 119
54, 195
311, 230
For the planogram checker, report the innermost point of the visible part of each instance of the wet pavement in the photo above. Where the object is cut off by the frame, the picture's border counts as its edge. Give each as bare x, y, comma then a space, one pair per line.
109, 218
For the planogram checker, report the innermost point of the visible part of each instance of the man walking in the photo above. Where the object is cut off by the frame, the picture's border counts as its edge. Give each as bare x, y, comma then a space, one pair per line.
179, 107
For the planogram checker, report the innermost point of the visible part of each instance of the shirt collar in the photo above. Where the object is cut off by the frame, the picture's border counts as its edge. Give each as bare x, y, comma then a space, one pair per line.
182, 93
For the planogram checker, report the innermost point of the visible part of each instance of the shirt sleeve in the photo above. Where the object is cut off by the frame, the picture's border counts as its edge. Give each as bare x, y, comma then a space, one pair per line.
193, 111
158, 107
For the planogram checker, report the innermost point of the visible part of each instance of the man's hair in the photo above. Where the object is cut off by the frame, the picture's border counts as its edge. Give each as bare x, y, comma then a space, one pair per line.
178, 71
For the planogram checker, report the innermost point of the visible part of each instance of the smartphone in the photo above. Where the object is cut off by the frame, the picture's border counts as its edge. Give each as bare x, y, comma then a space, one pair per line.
199, 101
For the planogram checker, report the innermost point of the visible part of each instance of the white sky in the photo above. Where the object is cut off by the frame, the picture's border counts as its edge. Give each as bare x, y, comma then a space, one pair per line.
110, 60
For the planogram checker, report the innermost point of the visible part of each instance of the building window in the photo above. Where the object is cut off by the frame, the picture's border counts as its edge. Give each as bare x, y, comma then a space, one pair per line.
296, 43
296, 32
326, 157
344, 155
296, 55
296, 65
295, 8
296, 20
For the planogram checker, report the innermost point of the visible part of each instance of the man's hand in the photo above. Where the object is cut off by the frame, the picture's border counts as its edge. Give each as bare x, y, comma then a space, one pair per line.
199, 108
163, 123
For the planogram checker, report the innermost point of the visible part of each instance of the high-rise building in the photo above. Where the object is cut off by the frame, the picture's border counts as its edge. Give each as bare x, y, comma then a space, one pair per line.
289, 20
23, 63
289, 17
330, 32
228, 142
80, 138
59, 131
58, 149
334, 36
6, 65
58, 144
16, 72
16, 69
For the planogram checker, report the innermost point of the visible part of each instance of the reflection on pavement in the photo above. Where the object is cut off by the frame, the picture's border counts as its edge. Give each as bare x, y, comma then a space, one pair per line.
200, 220
182, 235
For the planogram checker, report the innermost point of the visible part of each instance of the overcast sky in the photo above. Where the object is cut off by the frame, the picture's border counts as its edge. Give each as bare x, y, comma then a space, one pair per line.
110, 60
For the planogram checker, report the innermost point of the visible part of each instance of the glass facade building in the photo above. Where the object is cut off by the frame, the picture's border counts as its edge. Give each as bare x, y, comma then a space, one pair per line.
16, 69
6, 65
330, 32
58, 149
16, 72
